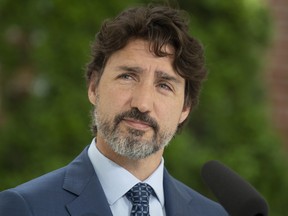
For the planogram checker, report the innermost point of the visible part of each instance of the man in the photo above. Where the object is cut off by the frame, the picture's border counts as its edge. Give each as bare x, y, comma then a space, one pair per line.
143, 81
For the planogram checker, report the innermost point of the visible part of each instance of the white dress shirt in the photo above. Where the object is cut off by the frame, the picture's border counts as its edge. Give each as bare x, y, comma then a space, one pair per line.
116, 181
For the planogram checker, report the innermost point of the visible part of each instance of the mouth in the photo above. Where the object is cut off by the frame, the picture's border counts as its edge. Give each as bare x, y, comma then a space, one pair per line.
137, 124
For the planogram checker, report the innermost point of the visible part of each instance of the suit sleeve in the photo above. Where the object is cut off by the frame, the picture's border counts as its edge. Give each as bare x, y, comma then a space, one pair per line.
13, 204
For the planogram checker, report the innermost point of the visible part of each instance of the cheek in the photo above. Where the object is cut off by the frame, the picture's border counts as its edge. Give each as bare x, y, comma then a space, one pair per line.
170, 114
113, 101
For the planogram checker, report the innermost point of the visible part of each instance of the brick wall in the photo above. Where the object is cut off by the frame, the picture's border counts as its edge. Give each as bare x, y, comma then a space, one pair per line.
277, 71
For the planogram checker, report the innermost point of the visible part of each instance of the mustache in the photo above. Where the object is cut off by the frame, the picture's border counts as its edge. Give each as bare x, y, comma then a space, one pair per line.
134, 113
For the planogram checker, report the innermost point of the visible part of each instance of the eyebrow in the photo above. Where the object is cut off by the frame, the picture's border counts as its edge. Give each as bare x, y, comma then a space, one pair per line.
130, 68
158, 73
166, 76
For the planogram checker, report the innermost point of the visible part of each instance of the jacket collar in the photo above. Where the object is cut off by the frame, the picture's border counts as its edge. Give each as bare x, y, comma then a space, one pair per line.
177, 200
81, 180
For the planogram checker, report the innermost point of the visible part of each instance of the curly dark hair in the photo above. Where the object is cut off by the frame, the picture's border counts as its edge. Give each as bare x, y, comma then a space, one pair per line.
160, 26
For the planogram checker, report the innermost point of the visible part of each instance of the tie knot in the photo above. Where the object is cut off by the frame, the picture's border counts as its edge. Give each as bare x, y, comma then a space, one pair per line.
140, 193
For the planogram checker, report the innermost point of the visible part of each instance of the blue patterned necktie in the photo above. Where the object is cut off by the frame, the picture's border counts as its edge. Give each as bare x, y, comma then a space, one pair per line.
139, 196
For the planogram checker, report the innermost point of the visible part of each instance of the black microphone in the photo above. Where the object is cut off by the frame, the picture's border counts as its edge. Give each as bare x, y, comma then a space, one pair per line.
236, 195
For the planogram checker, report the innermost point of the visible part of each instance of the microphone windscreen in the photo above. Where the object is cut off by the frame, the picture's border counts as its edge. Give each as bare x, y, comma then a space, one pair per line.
236, 195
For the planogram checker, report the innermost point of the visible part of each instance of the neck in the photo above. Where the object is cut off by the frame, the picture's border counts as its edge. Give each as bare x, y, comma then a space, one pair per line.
141, 168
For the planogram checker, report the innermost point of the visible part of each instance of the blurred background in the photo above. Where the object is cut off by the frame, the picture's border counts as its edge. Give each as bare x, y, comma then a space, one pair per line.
242, 118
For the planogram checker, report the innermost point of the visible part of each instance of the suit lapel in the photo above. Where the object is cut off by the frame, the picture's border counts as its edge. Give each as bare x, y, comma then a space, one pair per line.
81, 180
177, 201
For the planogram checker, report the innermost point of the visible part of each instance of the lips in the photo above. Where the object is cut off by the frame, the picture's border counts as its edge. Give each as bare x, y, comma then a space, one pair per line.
137, 124
137, 120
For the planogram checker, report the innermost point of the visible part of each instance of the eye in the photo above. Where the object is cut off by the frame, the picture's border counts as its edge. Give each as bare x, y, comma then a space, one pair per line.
125, 76
165, 87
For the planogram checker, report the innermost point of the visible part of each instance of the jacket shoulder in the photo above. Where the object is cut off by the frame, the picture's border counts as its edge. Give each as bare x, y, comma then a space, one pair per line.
45, 183
50, 193
40, 193
13, 204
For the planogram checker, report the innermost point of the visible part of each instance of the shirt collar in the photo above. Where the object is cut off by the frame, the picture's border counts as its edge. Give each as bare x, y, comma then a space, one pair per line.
116, 180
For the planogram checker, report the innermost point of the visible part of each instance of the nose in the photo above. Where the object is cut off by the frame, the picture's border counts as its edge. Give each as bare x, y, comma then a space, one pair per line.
143, 98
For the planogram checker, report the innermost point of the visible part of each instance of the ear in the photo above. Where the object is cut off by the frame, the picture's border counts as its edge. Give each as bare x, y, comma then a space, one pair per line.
184, 114
92, 93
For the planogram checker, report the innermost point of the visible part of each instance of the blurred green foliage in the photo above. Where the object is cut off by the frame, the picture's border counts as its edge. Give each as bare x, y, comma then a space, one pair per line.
44, 111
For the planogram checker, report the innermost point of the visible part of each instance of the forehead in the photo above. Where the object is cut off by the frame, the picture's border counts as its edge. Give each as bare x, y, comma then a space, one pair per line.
137, 47
139, 53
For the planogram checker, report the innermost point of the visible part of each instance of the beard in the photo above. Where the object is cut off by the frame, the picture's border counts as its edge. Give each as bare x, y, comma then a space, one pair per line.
129, 142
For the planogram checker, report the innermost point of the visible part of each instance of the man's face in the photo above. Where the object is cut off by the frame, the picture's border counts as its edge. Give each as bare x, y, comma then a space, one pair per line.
138, 101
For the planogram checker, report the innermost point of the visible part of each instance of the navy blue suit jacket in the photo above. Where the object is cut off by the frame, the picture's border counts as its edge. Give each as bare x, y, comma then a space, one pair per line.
76, 191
